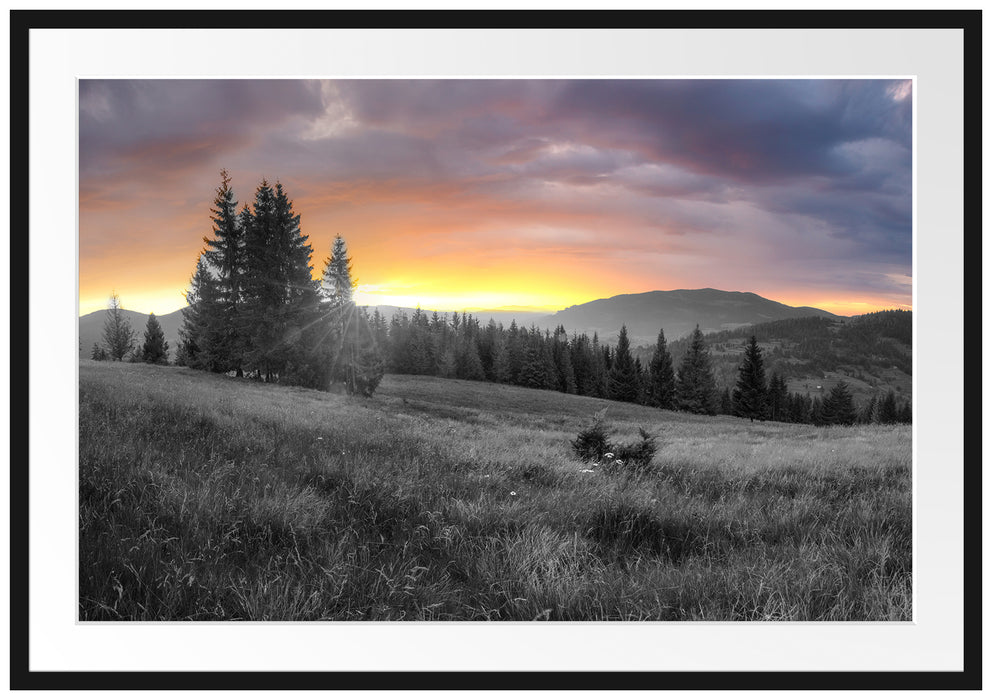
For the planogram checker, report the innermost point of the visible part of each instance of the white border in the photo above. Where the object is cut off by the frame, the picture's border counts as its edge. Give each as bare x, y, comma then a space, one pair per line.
933, 642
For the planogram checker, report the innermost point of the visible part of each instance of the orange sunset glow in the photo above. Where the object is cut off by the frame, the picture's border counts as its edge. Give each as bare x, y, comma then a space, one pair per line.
512, 194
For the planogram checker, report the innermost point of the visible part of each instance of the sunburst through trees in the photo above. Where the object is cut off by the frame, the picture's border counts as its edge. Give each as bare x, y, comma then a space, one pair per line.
255, 309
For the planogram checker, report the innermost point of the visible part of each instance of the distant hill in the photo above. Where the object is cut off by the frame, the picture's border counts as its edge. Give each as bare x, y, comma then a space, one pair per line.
91, 329
872, 353
677, 312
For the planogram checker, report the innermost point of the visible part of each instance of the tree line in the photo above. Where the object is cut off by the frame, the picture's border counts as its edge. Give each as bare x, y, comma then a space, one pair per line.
255, 310
461, 347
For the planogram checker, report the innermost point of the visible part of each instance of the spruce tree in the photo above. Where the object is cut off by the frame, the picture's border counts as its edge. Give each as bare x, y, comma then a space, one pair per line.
562, 356
263, 286
661, 376
502, 372
599, 367
537, 369
695, 386
224, 253
155, 349
815, 411
751, 392
337, 286
515, 349
280, 296
581, 363
621, 383
838, 406
118, 336
887, 412
778, 398
468, 362
906, 413
98, 353
200, 334
867, 413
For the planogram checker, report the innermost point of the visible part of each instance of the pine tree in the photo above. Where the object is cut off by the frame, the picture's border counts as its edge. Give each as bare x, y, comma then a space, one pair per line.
201, 331
515, 349
280, 296
502, 371
337, 286
599, 367
778, 398
562, 356
621, 382
155, 349
867, 413
536, 368
695, 387
263, 285
887, 412
661, 376
468, 362
906, 413
751, 392
815, 412
224, 253
118, 336
98, 352
838, 406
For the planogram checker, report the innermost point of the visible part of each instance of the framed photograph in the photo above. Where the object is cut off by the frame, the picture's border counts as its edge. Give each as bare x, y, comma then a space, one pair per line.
366, 354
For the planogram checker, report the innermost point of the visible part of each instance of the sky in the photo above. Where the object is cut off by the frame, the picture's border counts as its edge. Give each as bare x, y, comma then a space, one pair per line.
523, 194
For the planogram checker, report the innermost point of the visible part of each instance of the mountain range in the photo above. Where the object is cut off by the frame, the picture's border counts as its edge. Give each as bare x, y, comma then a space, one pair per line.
677, 312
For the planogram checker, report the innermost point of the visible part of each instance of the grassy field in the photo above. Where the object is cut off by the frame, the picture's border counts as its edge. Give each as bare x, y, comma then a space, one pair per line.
211, 498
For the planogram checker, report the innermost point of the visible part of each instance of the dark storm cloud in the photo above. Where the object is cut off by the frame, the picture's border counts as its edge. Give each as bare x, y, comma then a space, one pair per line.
749, 130
183, 122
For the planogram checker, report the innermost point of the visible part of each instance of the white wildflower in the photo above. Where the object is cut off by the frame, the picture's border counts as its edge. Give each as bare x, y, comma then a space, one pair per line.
609, 455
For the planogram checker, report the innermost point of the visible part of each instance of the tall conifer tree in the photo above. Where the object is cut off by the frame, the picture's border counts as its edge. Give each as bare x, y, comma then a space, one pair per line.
118, 336
224, 252
661, 376
838, 406
695, 387
621, 383
751, 392
201, 330
155, 349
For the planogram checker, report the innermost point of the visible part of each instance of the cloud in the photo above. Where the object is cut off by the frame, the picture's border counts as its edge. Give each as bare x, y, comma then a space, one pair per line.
711, 175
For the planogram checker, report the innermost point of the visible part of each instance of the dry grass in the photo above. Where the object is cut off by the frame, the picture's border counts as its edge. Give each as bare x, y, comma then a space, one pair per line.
205, 498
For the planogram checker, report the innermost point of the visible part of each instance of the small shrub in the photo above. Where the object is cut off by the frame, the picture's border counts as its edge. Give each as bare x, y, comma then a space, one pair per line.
592, 443
638, 454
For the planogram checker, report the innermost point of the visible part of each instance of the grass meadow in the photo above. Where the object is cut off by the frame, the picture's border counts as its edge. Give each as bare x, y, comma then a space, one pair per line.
204, 497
